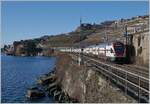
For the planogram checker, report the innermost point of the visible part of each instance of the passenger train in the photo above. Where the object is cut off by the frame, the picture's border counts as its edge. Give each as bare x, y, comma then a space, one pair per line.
113, 51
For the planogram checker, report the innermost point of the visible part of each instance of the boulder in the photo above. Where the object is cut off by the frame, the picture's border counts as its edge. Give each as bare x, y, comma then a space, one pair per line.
50, 86
34, 88
56, 94
35, 93
46, 79
51, 92
60, 97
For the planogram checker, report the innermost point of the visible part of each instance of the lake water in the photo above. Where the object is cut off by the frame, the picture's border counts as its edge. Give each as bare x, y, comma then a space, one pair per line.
20, 73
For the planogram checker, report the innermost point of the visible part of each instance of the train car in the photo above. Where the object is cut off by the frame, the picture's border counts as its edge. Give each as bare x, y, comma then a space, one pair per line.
113, 51
89, 50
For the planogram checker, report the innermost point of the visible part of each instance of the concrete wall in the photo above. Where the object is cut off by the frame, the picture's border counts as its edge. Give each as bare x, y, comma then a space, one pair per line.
141, 45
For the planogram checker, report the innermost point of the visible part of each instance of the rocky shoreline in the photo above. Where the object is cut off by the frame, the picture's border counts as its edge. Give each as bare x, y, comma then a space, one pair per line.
70, 83
49, 84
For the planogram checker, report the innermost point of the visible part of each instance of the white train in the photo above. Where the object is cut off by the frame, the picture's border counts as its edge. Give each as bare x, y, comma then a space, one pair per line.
114, 51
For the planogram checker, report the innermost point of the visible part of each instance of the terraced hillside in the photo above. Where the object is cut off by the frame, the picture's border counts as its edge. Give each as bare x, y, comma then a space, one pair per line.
89, 34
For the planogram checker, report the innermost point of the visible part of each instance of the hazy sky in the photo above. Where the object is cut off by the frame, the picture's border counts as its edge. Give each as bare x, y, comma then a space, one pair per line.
24, 20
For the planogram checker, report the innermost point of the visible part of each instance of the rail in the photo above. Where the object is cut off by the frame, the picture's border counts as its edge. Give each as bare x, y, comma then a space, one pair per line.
137, 83
120, 69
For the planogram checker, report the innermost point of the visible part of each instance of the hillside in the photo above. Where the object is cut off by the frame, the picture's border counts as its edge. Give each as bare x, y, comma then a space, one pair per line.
86, 34
96, 33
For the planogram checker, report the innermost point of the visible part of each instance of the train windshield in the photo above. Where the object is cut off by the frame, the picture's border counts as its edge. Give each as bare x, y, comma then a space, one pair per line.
119, 47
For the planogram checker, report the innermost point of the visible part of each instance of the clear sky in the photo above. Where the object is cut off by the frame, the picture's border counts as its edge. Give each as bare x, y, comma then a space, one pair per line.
25, 20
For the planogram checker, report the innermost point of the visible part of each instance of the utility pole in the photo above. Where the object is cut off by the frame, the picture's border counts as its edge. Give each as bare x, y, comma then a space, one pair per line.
81, 62
106, 36
79, 58
126, 34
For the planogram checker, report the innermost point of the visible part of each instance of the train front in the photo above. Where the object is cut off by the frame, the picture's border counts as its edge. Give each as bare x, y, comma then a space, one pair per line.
120, 51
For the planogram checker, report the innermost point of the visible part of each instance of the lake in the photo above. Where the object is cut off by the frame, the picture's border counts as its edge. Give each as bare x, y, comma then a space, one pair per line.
20, 73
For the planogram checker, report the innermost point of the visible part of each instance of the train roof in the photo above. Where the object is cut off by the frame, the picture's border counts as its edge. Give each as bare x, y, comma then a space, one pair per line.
103, 44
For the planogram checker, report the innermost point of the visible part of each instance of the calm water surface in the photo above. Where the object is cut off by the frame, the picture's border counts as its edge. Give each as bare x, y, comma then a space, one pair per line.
20, 73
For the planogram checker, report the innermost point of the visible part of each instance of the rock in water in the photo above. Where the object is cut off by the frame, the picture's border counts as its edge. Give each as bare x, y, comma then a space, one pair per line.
46, 79
35, 93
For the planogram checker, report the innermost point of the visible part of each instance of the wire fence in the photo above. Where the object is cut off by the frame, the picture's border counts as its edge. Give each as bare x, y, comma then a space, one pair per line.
131, 82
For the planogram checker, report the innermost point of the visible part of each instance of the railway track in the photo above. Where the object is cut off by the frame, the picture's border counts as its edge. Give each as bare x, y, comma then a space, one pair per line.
130, 79
136, 70
142, 71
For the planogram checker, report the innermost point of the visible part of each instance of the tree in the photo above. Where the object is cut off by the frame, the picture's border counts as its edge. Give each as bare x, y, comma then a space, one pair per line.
30, 48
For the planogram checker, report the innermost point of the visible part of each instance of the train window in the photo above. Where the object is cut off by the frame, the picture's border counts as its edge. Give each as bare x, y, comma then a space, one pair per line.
119, 48
111, 51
